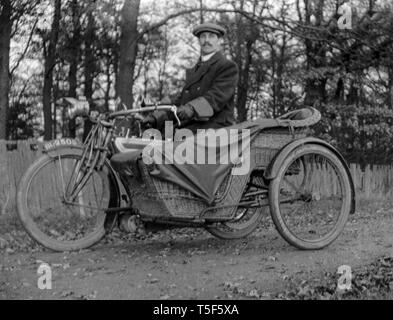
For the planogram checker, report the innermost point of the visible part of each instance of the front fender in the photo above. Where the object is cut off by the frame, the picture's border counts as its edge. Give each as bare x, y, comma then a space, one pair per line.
272, 170
51, 147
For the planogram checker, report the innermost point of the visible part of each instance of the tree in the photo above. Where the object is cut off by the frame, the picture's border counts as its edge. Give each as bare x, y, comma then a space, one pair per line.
50, 62
128, 51
11, 13
74, 50
5, 38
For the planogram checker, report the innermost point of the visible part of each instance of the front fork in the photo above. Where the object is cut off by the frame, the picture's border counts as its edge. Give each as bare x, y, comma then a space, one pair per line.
86, 166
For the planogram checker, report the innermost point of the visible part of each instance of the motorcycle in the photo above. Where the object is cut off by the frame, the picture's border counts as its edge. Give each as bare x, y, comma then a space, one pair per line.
75, 194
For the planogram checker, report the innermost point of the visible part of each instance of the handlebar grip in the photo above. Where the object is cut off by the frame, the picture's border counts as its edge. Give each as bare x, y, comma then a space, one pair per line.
174, 110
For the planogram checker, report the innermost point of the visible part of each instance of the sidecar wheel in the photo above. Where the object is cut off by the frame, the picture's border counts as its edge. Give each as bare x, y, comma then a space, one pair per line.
310, 204
238, 228
246, 219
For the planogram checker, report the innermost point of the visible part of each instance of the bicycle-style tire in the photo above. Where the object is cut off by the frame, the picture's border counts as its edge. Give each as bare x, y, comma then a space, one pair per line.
304, 228
29, 218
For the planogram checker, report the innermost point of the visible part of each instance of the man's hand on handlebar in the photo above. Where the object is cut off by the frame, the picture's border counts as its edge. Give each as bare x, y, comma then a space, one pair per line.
148, 122
158, 117
185, 113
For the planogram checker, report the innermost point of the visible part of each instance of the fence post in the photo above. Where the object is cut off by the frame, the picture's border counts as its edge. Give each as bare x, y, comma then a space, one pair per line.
5, 192
367, 181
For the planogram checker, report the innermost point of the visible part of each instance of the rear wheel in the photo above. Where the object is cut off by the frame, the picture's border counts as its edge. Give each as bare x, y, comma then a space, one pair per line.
50, 216
245, 221
310, 199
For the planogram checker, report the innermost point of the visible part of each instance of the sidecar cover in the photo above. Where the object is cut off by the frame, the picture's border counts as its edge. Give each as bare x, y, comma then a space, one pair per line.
201, 162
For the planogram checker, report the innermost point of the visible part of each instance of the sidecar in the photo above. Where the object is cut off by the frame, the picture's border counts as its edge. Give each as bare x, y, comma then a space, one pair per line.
303, 181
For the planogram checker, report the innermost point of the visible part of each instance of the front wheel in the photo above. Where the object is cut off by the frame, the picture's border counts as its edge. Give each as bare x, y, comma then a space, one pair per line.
50, 216
310, 204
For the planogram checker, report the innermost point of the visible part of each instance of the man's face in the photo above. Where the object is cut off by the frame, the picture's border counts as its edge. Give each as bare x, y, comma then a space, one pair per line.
210, 42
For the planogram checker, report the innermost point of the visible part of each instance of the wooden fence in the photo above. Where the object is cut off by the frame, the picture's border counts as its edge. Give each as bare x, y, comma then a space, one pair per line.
374, 182
15, 157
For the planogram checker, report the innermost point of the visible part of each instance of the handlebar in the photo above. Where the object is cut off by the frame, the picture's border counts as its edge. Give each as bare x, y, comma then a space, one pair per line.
81, 108
166, 107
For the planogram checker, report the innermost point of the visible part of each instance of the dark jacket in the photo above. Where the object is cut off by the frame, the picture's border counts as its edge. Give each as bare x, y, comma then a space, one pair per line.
210, 89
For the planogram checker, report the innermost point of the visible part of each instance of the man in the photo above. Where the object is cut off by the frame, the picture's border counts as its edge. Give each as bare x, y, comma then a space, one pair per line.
207, 99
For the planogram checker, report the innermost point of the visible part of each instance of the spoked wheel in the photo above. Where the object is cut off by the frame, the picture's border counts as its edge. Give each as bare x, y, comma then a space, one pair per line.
310, 199
51, 216
244, 223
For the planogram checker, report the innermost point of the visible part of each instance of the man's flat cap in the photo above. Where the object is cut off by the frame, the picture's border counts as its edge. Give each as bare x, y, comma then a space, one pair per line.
208, 27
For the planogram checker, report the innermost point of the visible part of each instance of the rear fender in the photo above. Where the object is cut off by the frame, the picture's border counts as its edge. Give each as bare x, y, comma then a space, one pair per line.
274, 166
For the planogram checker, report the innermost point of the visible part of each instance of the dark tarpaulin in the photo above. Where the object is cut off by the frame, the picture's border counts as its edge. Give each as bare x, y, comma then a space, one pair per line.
203, 180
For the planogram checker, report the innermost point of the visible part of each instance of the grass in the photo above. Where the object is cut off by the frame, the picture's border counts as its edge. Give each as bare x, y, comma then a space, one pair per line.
13, 236
373, 281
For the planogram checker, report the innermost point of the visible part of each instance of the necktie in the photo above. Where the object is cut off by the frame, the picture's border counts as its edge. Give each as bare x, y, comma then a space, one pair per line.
199, 65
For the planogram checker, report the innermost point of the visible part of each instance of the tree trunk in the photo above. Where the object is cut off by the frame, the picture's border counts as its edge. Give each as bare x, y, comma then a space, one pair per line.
128, 51
315, 87
389, 99
201, 19
339, 93
243, 85
108, 81
315, 92
163, 67
89, 57
72, 75
5, 38
89, 68
241, 61
278, 80
50, 61
353, 94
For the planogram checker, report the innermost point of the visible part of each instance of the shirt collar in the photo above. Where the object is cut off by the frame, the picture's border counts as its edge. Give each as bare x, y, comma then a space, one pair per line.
207, 57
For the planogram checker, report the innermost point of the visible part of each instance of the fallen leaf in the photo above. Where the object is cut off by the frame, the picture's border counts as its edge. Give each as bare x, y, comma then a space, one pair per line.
66, 293
153, 280
253, 293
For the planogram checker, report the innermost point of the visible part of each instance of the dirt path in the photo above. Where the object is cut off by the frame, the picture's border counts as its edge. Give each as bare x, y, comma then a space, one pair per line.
192, 264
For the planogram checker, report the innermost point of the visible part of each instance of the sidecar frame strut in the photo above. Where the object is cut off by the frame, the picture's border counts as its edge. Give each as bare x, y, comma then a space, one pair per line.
106, 210
260, 201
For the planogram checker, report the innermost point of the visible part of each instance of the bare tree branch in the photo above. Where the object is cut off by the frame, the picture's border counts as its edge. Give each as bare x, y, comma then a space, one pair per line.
22, 56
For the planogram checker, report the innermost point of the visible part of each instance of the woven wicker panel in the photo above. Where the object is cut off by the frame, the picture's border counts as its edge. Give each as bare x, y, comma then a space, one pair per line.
144, 198
265, 146
177, 201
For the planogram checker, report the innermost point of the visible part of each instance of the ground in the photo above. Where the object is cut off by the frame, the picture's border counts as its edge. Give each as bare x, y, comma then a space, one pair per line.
192, 264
